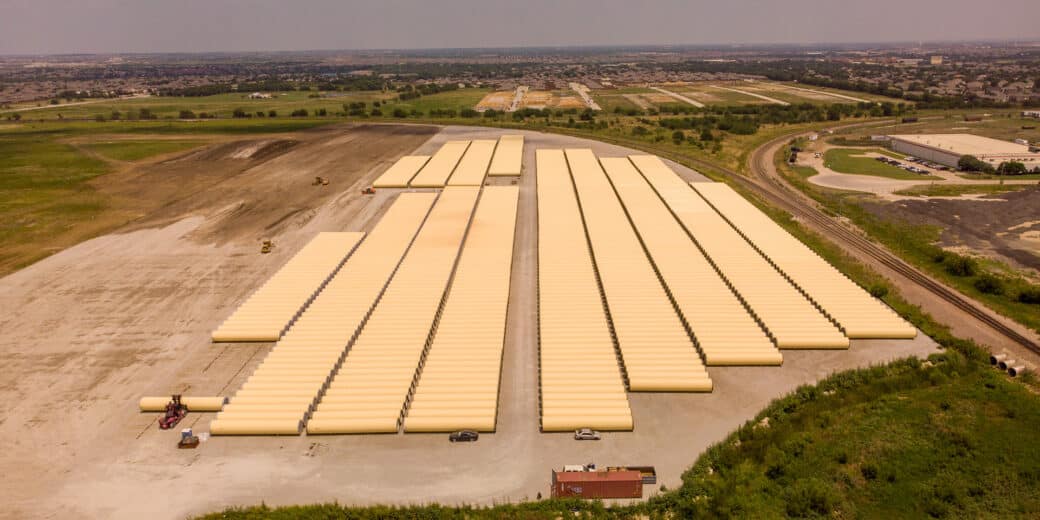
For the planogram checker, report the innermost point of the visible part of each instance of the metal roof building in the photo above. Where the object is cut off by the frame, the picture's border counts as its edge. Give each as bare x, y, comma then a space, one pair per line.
949, 148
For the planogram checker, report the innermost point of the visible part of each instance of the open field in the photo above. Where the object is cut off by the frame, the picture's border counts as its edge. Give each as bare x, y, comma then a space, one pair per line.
456, 100
221, 105
134, 323
853, 161
1000, 125
499, 100
135, 150
55, 191
954, 190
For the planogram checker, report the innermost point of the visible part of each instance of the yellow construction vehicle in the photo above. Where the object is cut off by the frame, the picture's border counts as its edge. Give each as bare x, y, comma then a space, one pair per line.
320, 181
266, 247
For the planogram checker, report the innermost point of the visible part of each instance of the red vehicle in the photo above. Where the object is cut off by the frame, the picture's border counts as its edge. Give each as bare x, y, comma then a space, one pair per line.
175, 411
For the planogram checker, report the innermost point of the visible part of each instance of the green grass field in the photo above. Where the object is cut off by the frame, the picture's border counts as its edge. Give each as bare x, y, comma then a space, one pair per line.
47, 201
221, 105
847, 160
42, 194
609, 100
956, 190
804, 171
456, 100
126, 150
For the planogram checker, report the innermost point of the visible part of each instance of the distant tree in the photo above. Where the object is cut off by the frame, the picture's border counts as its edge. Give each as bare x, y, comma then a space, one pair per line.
640, 131
678, 136
376, 112
260, 113
300, 112
321, 112
146, 113
272, 113
970, 163
16, 116
186, 114
100, 118
55, 101
706, 135
491, 113
239, 113
416, 113
1012, 168
400, 112
115, 115
469, 113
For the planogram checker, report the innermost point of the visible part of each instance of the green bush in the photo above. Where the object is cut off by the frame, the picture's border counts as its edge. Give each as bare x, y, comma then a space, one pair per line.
989, 284
959, 265
1030, 295
809, 497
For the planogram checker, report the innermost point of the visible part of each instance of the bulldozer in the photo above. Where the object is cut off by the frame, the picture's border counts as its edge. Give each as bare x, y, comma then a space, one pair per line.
368, 191
266, 247
320, 181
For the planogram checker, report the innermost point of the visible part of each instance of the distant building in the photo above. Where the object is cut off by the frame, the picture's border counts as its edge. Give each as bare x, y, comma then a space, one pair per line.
1031, 113
949, 148
880, 138
259, 95
936, 60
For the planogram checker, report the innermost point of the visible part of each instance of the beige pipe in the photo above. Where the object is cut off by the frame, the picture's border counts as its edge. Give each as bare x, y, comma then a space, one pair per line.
256, 427
193, 404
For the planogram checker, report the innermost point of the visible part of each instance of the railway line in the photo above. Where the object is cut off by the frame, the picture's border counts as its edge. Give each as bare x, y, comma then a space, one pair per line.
766, 182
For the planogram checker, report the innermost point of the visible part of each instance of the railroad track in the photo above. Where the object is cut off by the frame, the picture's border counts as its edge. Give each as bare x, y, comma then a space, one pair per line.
780, 194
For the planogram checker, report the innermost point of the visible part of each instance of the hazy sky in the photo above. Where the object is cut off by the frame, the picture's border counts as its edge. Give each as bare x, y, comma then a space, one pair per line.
87, 26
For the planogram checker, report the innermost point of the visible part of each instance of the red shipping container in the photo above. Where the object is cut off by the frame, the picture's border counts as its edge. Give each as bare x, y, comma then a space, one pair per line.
597, 484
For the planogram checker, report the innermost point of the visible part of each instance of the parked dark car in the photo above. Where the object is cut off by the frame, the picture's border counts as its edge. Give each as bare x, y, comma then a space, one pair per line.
463, 436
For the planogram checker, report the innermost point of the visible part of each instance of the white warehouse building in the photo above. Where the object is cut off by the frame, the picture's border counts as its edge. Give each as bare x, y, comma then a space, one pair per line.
949, 148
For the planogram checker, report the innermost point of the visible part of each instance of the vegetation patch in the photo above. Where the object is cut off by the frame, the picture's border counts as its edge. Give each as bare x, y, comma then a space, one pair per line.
852, 161
956, 190
127, 150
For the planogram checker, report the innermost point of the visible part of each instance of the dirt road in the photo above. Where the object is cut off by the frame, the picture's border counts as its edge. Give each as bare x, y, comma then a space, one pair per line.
91, 329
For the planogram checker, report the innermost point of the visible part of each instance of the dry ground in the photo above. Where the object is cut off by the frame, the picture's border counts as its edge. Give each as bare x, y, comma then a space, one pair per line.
1003, 226
89, 330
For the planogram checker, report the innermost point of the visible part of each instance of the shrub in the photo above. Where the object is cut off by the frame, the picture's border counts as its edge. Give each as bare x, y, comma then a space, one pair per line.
186, 114
959, 265
400, 112
878, 290
808, 497
1030, 295
869, 471
989, 284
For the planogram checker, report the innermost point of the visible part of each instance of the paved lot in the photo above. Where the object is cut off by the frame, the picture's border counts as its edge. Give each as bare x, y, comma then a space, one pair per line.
135, 313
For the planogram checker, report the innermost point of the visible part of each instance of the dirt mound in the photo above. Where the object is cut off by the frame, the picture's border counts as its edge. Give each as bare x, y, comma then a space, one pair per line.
255, 149
253, 188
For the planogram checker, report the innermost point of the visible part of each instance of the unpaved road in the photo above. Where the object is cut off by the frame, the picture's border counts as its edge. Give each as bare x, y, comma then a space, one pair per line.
91, 329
